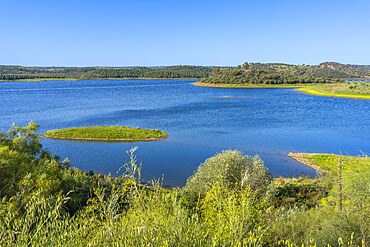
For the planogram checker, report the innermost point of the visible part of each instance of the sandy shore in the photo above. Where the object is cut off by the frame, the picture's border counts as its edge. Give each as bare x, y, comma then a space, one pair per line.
301, 159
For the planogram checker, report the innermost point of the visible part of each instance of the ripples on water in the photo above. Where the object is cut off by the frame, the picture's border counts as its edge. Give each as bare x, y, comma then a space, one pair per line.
200, 122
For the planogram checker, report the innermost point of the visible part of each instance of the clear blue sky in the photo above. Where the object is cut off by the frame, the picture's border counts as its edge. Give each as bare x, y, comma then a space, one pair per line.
202, 32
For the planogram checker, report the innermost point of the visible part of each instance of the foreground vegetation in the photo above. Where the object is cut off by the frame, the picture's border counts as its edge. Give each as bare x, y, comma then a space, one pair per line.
9, 73
231, 200
106, 133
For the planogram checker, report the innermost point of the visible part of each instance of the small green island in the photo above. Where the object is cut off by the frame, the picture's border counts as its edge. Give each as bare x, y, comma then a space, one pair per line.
107, 134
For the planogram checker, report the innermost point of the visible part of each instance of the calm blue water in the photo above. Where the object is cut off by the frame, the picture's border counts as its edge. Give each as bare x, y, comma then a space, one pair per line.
200, 122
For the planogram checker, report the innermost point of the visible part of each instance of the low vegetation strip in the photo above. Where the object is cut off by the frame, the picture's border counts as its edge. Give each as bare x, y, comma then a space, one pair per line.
328, 163
249, 85
107, 133
343, 90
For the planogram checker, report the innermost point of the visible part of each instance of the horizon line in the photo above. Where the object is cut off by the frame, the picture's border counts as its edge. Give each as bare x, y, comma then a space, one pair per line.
173, 65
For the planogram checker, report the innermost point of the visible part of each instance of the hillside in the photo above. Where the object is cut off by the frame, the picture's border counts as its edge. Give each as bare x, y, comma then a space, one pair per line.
352, 69
254, 73
276, 73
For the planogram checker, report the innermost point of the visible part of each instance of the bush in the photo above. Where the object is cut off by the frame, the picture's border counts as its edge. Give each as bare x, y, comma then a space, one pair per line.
231, 170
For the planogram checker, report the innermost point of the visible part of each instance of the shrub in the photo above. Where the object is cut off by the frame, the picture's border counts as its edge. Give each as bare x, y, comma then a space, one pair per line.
231, 170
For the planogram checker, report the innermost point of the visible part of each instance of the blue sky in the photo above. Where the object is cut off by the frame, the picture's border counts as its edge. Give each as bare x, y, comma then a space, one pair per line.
149, 32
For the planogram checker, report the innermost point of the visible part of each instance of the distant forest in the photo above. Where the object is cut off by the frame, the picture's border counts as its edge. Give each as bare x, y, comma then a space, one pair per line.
22, 72
276, 73
255, 73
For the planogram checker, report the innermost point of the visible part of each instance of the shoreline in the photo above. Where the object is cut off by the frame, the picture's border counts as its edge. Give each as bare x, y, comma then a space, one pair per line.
41, 80
317, 93
298, 87
299, 157
90, 139
200, 84
95, 79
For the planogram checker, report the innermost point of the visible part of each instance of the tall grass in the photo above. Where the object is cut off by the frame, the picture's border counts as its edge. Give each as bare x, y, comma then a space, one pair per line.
230, 201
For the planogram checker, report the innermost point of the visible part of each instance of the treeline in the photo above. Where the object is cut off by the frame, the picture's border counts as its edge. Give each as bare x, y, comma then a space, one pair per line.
143, 72
20, 72
232, 200
255, 73
275, 73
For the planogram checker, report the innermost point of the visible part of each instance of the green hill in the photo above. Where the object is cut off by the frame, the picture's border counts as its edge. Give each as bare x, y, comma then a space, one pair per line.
278, 73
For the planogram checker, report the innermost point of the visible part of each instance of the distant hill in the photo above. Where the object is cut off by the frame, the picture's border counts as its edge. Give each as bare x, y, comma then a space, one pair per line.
278, 73
181, 71
354, 70
256, 73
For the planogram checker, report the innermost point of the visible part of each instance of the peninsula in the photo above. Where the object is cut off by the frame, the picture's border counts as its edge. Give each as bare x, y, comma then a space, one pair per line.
327, 79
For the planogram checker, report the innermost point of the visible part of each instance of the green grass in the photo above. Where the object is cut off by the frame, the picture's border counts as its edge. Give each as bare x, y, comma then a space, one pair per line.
342, 90
329, 162
107, 133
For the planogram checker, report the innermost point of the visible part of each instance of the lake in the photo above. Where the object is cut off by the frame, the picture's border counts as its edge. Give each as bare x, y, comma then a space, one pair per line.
200, 121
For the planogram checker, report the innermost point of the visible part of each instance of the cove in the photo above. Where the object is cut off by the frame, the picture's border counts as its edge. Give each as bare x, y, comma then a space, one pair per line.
200, 123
